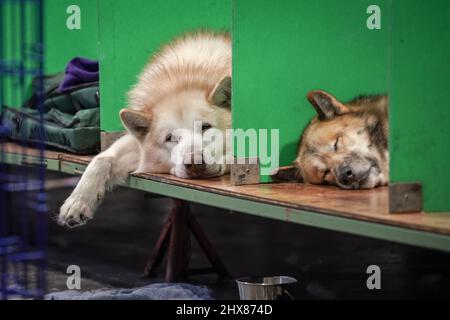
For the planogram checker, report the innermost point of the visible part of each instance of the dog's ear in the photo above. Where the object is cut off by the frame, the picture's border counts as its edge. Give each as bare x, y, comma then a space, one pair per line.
221, 94
287, 174
326, 105
137, 122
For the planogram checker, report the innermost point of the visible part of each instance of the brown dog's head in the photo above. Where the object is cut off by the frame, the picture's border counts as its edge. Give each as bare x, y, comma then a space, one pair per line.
345, 145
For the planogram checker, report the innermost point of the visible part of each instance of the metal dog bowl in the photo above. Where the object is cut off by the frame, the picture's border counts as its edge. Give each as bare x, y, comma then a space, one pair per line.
266, 288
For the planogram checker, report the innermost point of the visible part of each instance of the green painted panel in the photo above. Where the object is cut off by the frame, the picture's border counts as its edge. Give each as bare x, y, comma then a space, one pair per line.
283, 50
130, 31
61, 44
419, 108
16, 28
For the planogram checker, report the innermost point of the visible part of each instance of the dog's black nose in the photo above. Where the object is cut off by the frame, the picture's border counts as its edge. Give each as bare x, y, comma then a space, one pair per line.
346, 176
196, 167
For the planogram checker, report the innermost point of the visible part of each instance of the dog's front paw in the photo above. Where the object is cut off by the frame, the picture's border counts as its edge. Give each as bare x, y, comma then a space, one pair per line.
74, 212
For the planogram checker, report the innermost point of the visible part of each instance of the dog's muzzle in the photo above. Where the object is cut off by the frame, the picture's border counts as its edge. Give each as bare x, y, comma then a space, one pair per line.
197, 168
349, 178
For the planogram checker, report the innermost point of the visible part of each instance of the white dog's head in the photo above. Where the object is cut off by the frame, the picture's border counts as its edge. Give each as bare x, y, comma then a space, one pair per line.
184, 133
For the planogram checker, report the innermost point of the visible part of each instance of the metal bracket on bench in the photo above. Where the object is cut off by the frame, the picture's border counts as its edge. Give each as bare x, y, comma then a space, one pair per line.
245, 171
405, 197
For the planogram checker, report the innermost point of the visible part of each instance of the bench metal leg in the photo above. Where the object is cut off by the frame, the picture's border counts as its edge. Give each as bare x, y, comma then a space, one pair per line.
175, 239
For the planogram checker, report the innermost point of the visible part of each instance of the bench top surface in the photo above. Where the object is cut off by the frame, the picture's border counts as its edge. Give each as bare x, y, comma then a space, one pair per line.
366, 205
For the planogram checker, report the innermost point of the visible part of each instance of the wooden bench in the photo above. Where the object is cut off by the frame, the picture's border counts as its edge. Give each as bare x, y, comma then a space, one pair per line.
359, 212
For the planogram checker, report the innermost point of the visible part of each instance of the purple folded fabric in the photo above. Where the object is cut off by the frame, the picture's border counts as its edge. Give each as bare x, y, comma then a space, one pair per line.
78, 71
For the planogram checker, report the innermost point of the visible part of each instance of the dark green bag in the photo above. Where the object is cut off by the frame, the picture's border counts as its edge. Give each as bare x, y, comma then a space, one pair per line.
71, 120
77, 133
83, 96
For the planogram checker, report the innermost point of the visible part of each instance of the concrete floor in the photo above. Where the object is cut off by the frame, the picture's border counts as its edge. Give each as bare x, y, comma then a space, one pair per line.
111, 251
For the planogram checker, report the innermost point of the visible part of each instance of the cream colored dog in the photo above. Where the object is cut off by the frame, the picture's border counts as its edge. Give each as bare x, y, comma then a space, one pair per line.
188, 82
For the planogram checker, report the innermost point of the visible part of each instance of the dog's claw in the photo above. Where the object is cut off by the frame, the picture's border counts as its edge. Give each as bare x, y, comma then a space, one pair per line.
74, 212
71, 223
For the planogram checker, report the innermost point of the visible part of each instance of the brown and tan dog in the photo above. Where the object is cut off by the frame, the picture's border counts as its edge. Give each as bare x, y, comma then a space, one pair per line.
345, 145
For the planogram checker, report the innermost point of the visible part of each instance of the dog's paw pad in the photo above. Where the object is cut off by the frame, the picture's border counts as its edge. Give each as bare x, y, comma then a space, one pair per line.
74, 212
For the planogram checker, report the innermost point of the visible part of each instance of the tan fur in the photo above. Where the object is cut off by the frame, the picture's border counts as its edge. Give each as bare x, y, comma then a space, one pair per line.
344, 137
185, 83
176, 88
195, 61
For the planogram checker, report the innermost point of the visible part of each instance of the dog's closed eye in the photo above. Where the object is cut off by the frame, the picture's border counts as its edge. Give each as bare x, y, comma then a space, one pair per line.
326, 173
206, 126
171, 138
336, 144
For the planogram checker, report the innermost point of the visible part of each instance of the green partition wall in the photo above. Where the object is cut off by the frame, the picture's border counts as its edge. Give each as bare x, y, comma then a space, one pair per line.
65, 43
419, 104
15, 39
281, 50
61, 44
130, 31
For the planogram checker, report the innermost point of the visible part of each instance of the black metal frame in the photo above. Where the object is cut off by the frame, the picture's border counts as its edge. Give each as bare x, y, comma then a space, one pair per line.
23, 211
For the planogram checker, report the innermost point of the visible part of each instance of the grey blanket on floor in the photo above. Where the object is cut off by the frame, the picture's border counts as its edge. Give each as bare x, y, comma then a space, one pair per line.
156, 291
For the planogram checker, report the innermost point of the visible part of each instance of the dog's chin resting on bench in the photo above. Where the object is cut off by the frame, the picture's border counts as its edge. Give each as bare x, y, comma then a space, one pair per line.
187, 82
345, 145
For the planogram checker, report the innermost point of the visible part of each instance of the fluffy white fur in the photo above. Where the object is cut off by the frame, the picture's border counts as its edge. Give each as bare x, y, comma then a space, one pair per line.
177, 88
